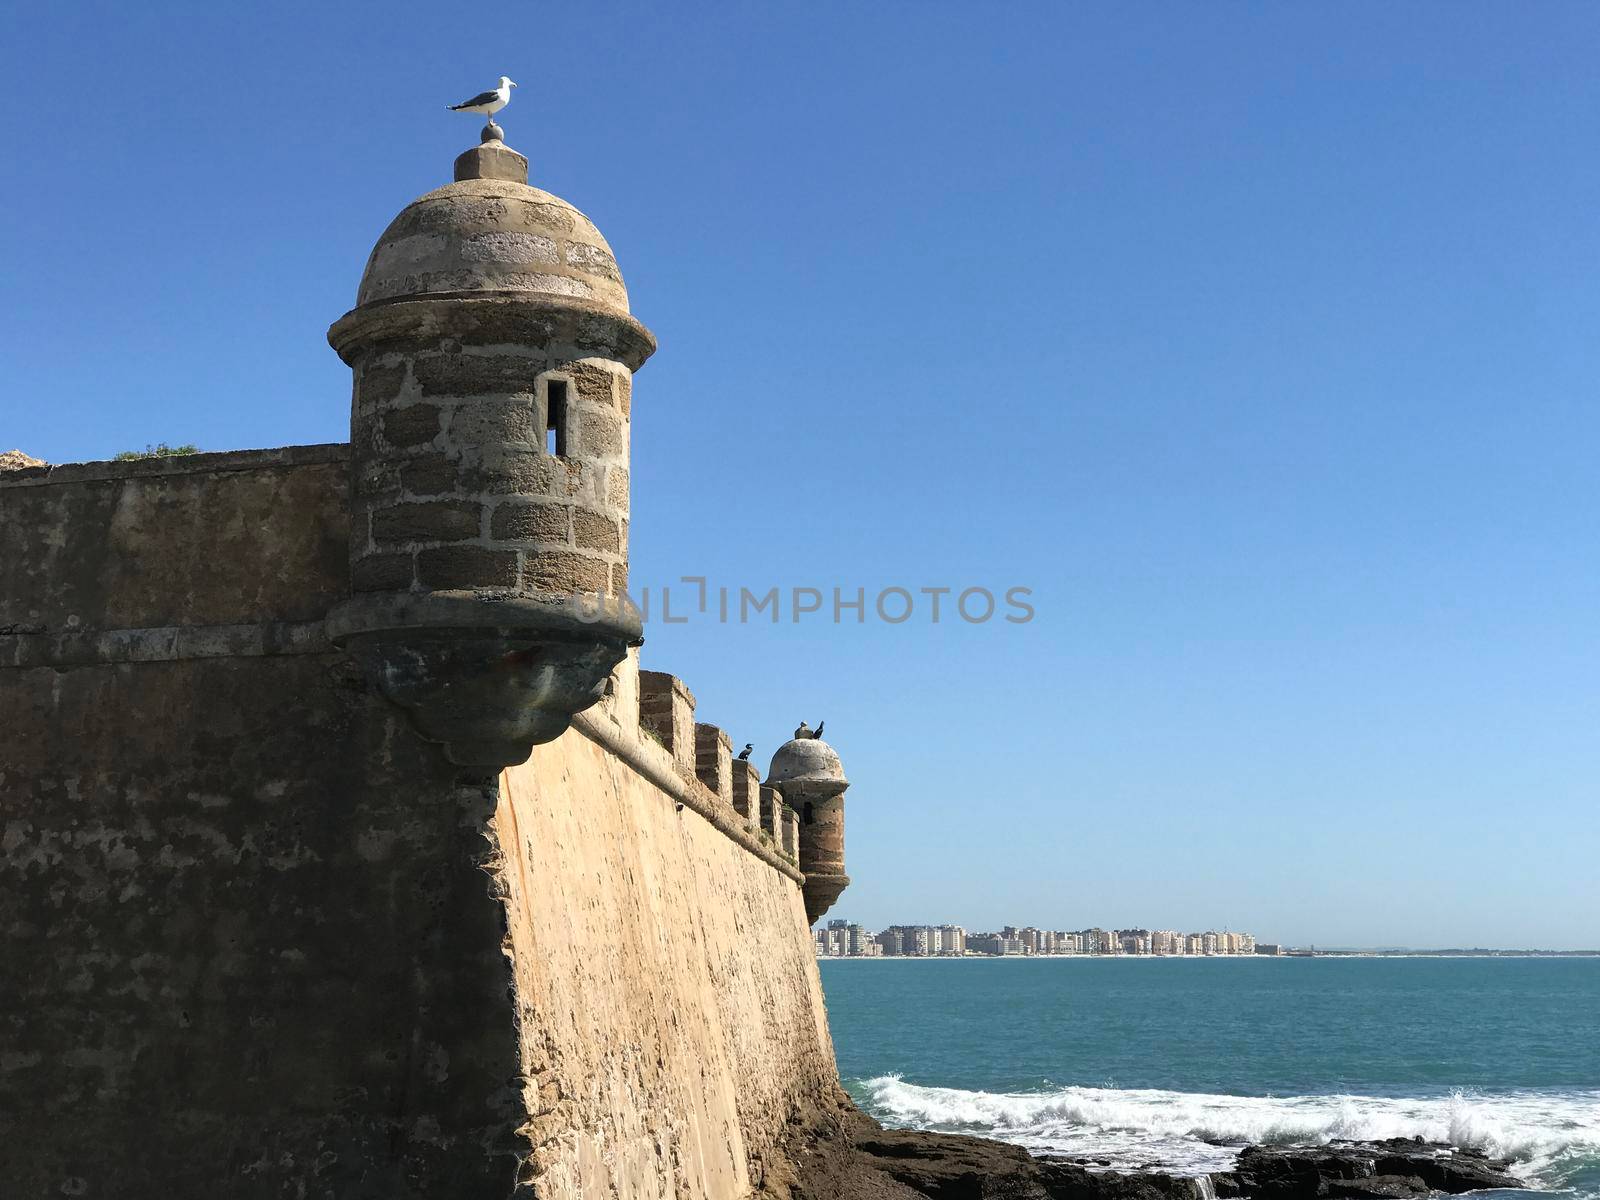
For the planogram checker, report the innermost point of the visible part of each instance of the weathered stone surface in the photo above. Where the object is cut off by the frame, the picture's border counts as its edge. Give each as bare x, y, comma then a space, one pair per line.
501, 470
599, 434
564, 573
493, 420
427, 521
688, 1054
412, 425
448, 568
114, 545
532, 523
666, 711
595, 531
429, 476
746, 784
249, 946
461, 374
492, 234
383, 573
713, 763
279, 918
376, 384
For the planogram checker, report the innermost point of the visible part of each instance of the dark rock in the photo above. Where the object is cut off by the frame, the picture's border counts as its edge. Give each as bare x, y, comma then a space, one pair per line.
1378, 1187
1069, 1181
863, 1161
947, 1166
1390, 1168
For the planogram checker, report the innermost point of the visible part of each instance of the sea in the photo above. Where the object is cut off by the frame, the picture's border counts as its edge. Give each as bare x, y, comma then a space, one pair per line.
1174, 1063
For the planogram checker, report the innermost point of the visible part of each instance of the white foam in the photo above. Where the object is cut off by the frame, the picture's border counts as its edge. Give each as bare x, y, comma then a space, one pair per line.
1549, 1135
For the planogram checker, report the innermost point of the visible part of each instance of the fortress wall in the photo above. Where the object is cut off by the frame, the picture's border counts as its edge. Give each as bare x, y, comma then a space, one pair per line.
249, 944
252, 536
672, 1013
263, 940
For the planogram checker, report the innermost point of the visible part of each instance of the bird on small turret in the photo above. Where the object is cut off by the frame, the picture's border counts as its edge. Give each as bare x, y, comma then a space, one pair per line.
744, 755
803, 732
488, 103
818, 732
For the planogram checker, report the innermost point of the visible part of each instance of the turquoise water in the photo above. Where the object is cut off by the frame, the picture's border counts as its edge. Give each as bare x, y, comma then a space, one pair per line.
1154, 1061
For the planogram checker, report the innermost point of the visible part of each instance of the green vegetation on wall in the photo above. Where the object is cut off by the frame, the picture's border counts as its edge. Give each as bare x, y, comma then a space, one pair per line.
159, 450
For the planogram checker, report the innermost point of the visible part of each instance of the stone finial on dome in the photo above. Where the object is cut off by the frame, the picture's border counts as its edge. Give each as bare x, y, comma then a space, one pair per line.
492, 159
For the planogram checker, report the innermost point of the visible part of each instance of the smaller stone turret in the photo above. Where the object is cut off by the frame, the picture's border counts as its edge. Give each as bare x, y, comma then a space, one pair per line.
808, 774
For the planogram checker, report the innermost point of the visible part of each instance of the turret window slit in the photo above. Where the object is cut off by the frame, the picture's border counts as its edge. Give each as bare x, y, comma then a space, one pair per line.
555, 407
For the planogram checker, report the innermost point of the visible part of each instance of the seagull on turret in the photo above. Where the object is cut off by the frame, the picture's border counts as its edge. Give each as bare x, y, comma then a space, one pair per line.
488, 103
744, 755
803, 732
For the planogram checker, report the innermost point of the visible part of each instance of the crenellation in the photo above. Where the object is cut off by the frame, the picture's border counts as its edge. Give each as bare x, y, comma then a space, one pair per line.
714, 761
771, 819
666, 709
746, 786
791, 833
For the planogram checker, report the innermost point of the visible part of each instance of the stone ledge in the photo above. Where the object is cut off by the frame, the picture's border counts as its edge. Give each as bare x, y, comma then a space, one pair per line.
691, 793
215, 462
22, 648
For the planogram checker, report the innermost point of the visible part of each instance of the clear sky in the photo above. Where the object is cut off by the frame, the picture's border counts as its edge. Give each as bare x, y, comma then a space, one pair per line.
1261, 341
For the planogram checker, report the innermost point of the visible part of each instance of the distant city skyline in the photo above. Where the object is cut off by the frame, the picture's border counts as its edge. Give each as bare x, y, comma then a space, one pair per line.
841, 938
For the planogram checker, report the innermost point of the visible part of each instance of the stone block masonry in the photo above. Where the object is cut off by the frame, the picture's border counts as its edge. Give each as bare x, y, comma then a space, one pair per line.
746, 784
666, 711
457, 489
714, 761
264, 940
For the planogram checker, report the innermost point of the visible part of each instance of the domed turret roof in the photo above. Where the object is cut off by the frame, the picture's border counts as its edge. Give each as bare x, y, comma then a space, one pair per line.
809, 764
492, 235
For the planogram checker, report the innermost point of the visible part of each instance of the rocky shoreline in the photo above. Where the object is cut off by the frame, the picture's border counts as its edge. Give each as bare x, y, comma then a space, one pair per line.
857, 1159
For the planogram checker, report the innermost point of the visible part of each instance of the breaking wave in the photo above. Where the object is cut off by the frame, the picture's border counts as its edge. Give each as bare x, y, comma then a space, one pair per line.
1552, 1137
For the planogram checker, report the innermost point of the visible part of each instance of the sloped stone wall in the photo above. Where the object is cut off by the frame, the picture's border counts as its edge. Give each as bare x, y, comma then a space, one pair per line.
669, 1001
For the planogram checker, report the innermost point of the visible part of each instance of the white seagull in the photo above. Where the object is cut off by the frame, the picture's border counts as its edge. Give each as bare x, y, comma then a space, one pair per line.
488, 103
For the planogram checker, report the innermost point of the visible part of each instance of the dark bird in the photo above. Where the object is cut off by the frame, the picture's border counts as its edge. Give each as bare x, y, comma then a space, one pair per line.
818, 732
744, 754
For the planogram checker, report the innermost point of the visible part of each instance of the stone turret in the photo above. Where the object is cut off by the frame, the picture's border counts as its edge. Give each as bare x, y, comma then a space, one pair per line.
810, 777
493, 356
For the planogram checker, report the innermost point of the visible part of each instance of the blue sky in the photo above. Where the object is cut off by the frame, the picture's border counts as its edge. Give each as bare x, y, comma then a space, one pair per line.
1260, 341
